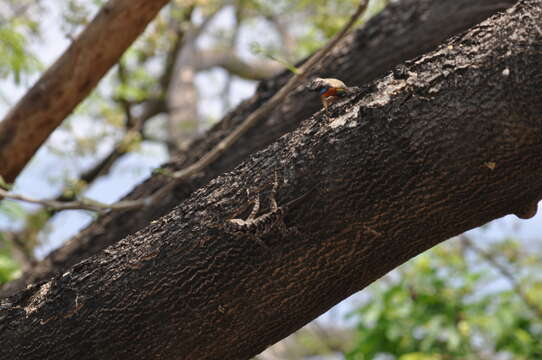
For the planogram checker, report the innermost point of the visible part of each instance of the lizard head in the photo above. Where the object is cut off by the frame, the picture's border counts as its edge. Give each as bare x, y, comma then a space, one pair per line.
322, 85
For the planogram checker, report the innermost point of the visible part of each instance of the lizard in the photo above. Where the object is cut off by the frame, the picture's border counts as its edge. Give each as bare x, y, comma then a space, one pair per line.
330, 90
258, 226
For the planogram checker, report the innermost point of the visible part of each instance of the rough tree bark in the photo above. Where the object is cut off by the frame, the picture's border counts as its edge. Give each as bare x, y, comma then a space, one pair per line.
402, 31
445, 143
70, 79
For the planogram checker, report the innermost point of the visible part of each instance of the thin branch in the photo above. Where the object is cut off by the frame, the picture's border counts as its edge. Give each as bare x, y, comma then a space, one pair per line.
269, 106
261, 112
534, 307
152, 107
86, 204
218, 150
70, 79
125, 104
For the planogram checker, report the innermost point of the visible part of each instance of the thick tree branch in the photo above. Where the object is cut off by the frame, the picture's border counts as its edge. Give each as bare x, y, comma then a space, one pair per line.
404, 30
405, 159
70, 79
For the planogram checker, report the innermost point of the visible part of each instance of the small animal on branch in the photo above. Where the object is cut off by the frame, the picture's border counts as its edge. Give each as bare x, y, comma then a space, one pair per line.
258, 226
331, 90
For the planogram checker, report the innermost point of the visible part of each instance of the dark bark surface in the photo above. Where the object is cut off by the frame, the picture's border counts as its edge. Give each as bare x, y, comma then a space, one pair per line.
446, 143
402, 31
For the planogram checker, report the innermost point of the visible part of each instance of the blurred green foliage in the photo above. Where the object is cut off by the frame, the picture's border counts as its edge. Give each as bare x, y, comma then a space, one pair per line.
18, 28
14, 57
450, 303
9, 268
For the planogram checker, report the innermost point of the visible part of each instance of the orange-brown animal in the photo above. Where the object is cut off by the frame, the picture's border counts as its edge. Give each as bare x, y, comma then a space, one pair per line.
330, 90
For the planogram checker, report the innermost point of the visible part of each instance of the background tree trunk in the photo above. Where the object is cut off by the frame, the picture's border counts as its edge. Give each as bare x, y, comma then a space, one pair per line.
404, 30
446, 143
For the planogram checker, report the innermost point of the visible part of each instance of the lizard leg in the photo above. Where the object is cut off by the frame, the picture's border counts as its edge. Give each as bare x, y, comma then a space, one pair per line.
242, 208
273, 195
327, 103
255, 209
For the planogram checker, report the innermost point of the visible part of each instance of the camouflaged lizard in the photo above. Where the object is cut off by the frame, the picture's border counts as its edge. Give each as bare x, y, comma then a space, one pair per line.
257, 226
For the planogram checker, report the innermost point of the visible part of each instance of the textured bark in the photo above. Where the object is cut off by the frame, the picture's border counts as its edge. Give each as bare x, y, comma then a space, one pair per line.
444, 144
70, 79
402, 31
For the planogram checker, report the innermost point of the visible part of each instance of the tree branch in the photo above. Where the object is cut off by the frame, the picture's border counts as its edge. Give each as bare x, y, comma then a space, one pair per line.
257, 115
403, 30
70, 79
86, 204
211, 155
405, 158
